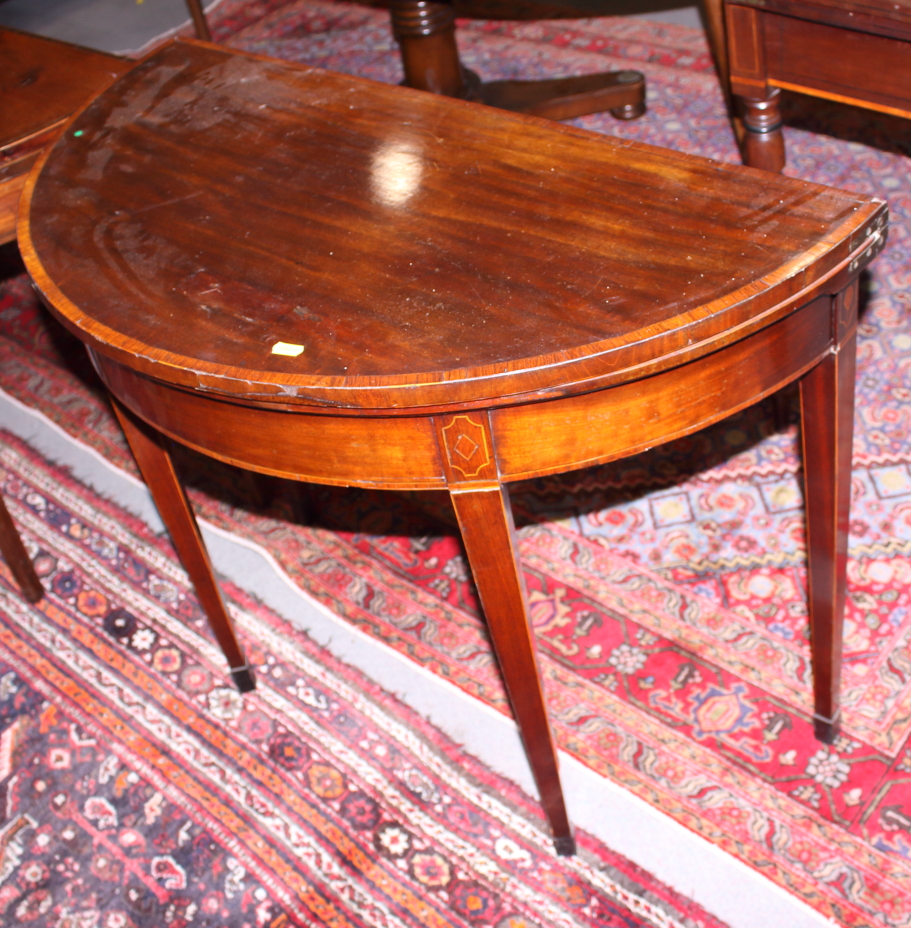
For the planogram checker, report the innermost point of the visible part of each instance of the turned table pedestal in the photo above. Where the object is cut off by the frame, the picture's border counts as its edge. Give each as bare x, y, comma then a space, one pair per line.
332, 280
425, 32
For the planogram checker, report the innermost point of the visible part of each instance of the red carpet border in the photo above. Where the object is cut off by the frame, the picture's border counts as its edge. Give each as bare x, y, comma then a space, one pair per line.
141, 789
668, 591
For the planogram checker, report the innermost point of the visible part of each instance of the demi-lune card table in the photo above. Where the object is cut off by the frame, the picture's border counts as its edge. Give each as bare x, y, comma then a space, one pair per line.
333, 280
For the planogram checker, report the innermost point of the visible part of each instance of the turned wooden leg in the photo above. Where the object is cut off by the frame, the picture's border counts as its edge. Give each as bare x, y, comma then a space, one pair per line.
17, 558
763, 143
157, 470
827, 423
199, 20
425, 31
485, 519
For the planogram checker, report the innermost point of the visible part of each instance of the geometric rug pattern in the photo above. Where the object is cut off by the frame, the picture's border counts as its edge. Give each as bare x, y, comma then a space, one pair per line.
668, 591
139, 788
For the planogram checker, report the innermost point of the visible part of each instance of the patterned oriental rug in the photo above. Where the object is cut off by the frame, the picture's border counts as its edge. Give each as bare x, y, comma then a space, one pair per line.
668, 591
138, 788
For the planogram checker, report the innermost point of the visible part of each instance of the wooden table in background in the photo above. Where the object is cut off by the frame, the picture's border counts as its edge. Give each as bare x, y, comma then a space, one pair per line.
328, 279
851, 51
42, 83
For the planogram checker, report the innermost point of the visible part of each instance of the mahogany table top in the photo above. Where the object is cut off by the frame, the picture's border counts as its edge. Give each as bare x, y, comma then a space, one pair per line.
43, 81
882, 17
423, 251
895, 8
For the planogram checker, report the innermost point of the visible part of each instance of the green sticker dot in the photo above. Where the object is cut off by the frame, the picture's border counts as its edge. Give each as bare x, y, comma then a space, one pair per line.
77, 133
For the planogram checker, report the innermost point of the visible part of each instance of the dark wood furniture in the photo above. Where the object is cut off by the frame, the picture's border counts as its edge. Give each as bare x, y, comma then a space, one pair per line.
17, 558
425, 31
197, 14
333, 280
853, 51
42, 83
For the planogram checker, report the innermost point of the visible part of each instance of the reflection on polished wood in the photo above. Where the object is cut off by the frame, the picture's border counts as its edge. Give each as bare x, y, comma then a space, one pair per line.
320, 277
425, 31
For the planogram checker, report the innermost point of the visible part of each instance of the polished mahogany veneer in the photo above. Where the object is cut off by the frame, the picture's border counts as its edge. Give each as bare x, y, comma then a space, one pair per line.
329, 279
42, 83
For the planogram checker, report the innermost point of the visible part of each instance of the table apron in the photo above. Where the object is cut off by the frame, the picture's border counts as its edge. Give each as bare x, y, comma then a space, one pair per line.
398, 453
593, 428
534, 439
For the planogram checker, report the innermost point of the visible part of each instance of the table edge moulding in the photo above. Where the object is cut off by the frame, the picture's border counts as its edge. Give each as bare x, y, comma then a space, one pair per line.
570, 363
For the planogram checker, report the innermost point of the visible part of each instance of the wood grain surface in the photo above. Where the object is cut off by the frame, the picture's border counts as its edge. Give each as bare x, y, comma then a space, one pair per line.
421, 250
878, 17
460, 297
42, 83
